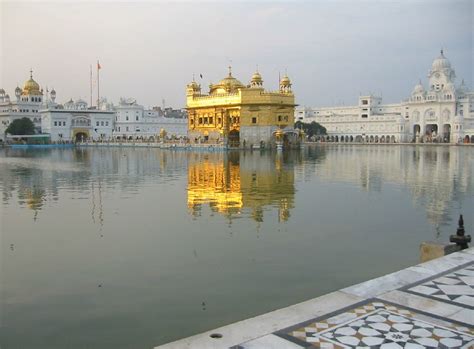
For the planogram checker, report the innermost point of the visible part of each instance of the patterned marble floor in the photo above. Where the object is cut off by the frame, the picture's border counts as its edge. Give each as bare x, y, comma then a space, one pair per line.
378, 324
455, 286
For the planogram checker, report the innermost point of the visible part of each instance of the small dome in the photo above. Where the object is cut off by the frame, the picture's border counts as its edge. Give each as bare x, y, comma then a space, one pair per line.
53, 92
450, 87
285, 81
440, 63
31, 87
194, 85
462, 88
2, 91
17, 90
256, 77
418, 88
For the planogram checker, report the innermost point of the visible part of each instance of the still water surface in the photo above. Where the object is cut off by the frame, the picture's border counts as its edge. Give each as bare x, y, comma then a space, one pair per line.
131, 248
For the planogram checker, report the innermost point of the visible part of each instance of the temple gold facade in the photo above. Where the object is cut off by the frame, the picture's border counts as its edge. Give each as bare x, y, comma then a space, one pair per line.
238, 115
233, 184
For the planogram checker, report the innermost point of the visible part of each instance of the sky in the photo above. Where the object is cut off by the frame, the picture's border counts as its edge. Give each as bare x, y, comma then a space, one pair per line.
333, 51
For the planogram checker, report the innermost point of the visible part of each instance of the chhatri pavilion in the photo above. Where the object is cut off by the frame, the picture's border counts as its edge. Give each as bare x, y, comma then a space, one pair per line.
238, 115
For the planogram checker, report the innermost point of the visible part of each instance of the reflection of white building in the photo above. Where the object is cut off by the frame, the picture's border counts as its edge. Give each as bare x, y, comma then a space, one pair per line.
133, 120
442, 112
27, 103
436, 176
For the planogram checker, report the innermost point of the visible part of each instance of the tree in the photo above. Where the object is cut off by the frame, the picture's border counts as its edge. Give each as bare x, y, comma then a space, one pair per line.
312, 129
23, 126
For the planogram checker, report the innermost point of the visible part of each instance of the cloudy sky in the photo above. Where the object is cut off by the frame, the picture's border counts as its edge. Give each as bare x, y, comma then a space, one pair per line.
332, 50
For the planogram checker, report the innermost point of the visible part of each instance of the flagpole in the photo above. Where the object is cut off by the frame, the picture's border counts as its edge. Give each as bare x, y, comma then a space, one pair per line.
98, 86
91, 84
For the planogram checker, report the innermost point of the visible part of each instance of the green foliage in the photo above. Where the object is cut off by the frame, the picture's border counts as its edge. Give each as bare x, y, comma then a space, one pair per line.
312, 129
23, 126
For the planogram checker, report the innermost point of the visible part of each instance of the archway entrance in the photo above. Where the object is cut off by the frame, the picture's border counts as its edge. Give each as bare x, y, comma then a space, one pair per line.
446, 133
431, 132
416, 131
81, 136
234, 138
466, 139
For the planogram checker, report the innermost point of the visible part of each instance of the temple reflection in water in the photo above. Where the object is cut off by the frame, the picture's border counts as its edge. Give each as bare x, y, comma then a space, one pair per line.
439, 179
232, 182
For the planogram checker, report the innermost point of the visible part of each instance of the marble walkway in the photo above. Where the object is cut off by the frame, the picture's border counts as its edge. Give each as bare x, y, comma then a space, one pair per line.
430, 305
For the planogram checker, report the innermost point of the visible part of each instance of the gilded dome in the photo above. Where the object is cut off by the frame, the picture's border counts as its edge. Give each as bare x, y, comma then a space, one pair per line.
194, 85
31, 87
256, 77
285, 81
228, 84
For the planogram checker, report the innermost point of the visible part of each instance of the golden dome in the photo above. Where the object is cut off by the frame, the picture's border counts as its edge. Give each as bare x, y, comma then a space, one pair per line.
194, 85
285, 81
256, 77
31, 87
228, 84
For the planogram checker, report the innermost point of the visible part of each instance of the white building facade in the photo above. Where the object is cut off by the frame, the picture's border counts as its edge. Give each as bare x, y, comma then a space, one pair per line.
27, 103
133, 121
76, 121
442, 112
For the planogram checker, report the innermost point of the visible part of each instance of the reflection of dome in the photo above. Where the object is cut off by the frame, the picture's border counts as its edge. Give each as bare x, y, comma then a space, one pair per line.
441, 63
31, 87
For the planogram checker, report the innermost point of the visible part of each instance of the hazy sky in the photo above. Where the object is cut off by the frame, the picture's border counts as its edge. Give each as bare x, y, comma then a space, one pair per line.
332, 50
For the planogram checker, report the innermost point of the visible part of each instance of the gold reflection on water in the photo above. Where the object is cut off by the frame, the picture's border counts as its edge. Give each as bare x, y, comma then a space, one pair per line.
230, 183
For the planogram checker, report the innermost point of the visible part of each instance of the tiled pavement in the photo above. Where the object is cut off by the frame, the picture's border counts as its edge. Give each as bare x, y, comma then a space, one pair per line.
430, 305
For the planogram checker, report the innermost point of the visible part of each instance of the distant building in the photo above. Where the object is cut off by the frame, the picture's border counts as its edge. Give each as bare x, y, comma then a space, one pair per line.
240, 115
27, 103
443, 112
74, 121
77, 121
133, 120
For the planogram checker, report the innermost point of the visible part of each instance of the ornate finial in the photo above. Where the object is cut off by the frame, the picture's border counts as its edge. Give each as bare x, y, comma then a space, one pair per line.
31, 73
442, 52
193, 77
230, 70
257, 68
460, 238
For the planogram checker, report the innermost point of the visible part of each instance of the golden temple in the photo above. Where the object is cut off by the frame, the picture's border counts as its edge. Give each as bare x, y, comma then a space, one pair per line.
238, 115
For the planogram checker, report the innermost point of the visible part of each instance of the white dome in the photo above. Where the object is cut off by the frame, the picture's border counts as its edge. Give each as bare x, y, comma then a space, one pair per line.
418, 88
450, 87
441, 63
462, 88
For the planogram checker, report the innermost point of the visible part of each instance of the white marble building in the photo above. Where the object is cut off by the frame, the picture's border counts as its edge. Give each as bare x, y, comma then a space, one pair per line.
27, 103
133, 120
441, 112
74, 121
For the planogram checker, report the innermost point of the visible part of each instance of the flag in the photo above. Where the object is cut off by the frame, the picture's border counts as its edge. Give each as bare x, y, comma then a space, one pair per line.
98, 65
